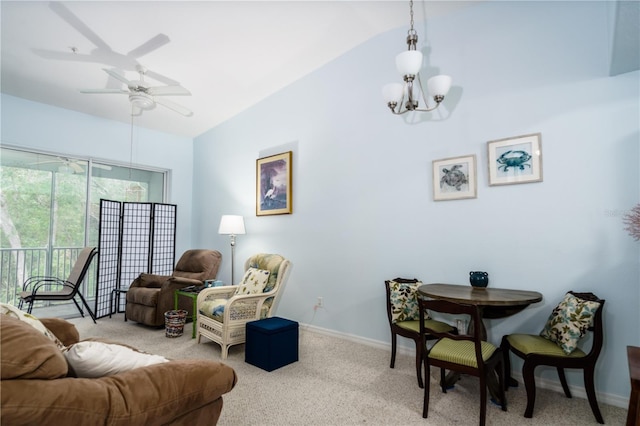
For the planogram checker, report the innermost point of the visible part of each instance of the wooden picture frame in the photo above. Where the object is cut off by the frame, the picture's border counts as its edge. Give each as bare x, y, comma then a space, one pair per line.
273, 185
515, 160
454, 178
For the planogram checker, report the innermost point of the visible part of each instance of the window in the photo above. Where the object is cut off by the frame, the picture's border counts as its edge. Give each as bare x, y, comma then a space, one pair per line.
50, 209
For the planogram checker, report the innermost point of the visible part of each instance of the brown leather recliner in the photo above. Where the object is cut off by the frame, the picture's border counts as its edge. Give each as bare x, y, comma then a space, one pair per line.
150, 296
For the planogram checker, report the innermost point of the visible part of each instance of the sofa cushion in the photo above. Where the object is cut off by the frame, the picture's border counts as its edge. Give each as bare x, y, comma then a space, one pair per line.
253, 281
27, 353
162, 394
97, 359
6, 309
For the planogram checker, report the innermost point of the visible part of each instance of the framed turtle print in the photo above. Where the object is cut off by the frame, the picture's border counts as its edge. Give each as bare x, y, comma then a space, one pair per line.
454, 178
273, 185
515, 160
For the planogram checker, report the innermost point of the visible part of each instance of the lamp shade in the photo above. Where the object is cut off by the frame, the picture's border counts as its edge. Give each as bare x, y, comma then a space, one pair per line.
231, 225
409, 62
392, 92
439, 85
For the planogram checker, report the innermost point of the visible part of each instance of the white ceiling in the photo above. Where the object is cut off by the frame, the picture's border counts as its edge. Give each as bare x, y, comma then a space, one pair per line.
228, 54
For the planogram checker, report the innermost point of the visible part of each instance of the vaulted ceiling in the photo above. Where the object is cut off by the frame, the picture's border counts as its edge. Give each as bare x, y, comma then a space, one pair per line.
228, 54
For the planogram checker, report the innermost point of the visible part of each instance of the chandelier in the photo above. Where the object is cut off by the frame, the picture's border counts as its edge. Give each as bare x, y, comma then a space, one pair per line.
409, 64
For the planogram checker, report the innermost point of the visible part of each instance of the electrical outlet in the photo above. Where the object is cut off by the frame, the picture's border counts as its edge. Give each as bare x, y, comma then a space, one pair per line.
319, 304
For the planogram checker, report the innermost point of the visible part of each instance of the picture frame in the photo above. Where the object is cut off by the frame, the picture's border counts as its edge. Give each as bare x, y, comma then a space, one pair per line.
515, 160
273, 185
455, 178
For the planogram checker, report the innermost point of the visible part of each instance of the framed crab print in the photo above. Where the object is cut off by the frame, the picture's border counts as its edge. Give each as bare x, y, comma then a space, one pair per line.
454, 178
273, 185
515, 160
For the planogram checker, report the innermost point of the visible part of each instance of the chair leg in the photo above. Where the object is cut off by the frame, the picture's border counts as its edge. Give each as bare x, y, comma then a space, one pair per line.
530, 387
483, 401
86, 305
394, 339
419, 352
502, 385
508, 380
591, 393
427, 382
563, 381
443, 379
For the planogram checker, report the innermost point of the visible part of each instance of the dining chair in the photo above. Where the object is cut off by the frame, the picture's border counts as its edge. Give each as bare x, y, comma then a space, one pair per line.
464, 353
58, 289
402, 312
569, 321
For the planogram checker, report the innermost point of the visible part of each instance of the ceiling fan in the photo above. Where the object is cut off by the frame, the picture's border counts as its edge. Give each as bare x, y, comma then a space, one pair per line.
144, 97
103, 53
71, 166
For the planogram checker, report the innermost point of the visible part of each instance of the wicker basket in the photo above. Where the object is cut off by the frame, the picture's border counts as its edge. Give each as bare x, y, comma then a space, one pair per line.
174, 322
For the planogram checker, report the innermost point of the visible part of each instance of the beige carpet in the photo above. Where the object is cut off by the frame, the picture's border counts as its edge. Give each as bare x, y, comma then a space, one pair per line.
338, 382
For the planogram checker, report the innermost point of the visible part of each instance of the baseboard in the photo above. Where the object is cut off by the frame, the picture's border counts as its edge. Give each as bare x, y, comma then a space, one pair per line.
576, 391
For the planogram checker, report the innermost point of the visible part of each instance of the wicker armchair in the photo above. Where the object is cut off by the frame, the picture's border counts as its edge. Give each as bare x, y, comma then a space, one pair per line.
225, 323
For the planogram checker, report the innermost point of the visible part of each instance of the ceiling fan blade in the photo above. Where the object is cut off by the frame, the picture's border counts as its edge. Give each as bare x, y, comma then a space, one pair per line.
168, 91
161, 78
63, 56
117, 76
104, 91
100, 166
174, 106
77, 168
62, 11
151, 45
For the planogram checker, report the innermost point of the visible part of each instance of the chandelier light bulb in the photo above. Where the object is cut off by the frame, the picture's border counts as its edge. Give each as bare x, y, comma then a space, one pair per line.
392, 92
439, 85
409, 62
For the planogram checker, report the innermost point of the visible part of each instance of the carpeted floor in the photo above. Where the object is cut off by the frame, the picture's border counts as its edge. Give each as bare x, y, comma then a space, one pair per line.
338, 382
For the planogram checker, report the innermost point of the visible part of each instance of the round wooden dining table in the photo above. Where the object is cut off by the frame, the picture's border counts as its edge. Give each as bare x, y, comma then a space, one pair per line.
492, 303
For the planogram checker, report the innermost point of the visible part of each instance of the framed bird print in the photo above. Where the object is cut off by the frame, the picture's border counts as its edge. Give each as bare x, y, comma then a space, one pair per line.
273, 185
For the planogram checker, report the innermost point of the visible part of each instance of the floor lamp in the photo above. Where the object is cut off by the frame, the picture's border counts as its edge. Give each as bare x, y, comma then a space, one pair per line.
232, 225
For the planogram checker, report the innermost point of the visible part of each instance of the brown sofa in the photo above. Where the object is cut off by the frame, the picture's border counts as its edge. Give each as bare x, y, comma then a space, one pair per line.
37, 389
150, 296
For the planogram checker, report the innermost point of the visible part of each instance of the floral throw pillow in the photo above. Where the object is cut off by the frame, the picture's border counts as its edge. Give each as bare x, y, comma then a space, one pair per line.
404, 301
7, 309
254, 281
569, 322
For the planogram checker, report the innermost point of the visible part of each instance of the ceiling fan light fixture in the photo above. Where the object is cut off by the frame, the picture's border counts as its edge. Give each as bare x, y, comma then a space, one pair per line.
65, 169
142, 101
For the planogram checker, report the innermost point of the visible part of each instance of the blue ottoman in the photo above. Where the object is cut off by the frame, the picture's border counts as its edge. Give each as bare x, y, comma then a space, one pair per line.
271, 343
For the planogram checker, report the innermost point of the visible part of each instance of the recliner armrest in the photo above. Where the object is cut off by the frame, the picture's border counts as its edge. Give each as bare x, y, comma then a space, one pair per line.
149, 280
176, 283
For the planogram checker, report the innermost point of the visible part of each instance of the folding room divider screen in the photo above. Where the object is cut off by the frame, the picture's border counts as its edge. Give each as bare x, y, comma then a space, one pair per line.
132, 238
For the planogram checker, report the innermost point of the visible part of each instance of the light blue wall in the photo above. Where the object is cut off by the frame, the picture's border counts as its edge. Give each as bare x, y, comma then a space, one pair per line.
362, 192
42, 127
